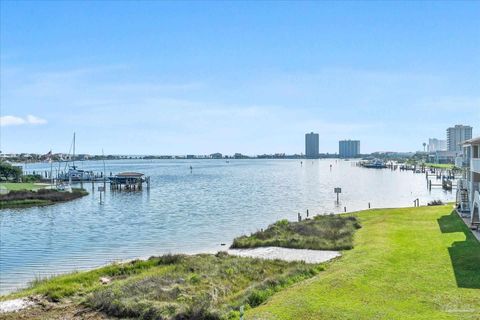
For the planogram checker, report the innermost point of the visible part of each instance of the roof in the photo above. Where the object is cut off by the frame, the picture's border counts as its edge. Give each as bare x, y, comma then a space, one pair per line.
472, 141
129, 174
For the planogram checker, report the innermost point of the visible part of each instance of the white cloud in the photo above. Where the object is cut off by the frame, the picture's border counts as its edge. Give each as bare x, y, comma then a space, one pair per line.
35, 120
11, 121
15, 120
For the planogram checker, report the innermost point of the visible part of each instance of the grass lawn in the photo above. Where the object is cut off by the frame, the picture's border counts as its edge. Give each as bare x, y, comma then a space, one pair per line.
447, 166
413, 263
329, 232
21, 186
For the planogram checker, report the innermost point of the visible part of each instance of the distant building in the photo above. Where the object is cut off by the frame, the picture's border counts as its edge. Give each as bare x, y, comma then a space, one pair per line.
436, 145
456, 136
311, 145
349, 148
240, 156
444, 156
216, 155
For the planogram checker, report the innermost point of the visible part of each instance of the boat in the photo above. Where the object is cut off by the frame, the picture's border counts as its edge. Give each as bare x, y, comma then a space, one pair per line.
374, 164
74, 174
64, 187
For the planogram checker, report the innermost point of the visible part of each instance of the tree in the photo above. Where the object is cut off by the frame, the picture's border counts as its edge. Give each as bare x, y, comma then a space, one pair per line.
8, 172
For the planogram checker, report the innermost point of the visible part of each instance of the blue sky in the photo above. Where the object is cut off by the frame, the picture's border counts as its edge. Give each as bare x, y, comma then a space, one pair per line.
252, 77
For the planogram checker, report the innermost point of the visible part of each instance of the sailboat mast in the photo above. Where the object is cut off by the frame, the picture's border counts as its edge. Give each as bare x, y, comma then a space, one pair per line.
74, 150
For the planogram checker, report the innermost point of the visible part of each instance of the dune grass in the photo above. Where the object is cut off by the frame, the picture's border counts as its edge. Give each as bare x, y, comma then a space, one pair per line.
412, 263
328, 232
202, 286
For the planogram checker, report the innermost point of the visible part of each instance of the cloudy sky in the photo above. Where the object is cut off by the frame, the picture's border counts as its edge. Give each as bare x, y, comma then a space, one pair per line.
202, 77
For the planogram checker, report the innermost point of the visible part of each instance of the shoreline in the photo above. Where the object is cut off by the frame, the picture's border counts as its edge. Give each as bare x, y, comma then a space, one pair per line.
353, 270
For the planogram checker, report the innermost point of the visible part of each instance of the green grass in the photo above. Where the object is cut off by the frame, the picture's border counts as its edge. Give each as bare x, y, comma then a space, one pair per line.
329, 232
176, 286
20, 186
30, 198
447, 166
413, 263
24, 203
81, 283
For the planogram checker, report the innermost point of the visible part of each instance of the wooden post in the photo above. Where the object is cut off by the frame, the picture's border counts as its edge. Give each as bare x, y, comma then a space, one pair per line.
345, 209
369, 205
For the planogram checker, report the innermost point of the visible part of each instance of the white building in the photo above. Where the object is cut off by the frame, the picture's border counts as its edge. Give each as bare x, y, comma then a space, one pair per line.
435, 145
349, 148
468, 193
457, 135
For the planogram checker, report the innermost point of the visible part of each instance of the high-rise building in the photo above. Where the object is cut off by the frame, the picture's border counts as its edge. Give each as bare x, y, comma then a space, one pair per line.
349, 148
311, 145
456, 136
435, 145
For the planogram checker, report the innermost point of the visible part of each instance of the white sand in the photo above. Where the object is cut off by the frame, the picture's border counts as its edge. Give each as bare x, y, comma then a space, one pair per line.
309, 256
14, 305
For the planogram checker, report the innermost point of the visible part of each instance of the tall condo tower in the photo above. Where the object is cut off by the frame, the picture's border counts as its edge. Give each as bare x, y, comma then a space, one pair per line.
311, 145
456, 136
349, 148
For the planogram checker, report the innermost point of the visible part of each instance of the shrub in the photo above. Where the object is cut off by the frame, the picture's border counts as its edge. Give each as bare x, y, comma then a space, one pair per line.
329, 232
435, 203
31, 178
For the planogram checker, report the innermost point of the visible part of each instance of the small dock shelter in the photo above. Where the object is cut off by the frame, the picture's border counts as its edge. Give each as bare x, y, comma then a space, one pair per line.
129, 181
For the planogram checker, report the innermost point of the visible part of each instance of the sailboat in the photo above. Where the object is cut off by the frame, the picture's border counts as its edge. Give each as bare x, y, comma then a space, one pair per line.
74, 174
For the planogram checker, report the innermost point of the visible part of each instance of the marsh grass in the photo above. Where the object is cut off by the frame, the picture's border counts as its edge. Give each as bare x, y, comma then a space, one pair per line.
329, 232
28, 198
203, 286
199, 287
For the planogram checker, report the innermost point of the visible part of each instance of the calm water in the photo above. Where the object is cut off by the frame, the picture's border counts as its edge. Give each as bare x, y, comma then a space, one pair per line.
187, 212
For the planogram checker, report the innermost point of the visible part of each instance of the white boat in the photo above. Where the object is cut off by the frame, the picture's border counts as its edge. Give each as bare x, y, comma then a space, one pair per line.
64, 187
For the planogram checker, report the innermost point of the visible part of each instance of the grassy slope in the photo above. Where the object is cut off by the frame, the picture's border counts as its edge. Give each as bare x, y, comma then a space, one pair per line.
401, 268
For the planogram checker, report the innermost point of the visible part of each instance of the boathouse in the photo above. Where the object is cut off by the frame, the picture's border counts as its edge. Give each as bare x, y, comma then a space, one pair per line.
128, 181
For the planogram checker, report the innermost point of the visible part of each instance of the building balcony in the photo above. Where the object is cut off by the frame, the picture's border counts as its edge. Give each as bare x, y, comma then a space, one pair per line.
475, 165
